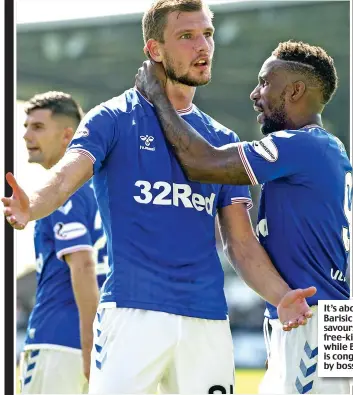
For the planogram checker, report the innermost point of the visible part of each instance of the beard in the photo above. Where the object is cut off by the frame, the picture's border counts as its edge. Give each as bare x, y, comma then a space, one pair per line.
277, 121
183, 79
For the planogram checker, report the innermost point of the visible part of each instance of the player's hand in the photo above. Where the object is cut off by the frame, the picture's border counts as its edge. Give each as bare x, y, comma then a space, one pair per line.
151, 79
16, 208
293, 310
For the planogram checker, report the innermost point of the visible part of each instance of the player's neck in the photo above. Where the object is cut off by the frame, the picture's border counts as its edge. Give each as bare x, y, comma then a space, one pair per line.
53, 161
305, 120
180, 95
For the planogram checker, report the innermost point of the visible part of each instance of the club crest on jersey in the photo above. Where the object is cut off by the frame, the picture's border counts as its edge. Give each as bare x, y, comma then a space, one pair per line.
266, 148
148, 143
69, 231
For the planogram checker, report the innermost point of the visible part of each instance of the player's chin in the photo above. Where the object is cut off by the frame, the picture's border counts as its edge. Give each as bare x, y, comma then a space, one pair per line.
204, 80
35, 158
266, 127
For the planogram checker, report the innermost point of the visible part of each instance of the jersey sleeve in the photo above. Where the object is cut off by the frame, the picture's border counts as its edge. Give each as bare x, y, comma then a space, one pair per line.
70, 227
280, 154
233, 194
96, 135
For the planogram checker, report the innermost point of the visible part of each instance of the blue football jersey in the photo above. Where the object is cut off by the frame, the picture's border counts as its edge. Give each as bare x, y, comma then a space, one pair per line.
305, 208
160, 226
76, 226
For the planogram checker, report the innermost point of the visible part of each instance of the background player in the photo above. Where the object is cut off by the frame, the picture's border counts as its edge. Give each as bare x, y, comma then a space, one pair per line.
306, 200
68, 244
163, 316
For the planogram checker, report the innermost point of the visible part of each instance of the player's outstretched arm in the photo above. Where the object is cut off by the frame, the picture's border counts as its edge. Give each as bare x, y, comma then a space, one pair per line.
254, 266
85, 287
200, 160
70, 173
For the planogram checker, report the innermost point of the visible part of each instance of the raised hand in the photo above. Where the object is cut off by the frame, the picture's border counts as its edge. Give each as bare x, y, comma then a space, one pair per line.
151, 79
293, 310
16, 208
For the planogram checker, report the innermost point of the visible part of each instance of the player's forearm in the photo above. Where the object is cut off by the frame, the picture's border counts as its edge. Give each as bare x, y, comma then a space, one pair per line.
86, 292
71, 172
200, 160
49, 197
253, 265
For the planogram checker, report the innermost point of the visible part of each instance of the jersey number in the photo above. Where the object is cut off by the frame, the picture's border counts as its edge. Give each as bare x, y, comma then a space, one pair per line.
347, 206
100, 258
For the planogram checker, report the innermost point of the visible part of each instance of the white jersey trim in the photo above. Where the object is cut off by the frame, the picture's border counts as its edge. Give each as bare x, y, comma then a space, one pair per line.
247, 201
70, 250
247, 165
83, 152
56, 347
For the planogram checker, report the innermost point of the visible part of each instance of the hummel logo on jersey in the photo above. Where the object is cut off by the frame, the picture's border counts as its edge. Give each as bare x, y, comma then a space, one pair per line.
147, 140
173, 195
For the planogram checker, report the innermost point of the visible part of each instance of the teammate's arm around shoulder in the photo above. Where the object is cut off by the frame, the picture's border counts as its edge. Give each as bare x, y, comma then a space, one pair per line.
200, 160
254, 266
85, 287
70, 173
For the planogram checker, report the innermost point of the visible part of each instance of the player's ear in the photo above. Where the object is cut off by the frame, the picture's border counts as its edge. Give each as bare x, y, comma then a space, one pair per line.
298, 90
152, 50
68, 135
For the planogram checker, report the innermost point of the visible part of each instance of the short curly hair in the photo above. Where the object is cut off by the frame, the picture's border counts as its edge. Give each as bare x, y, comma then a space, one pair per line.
312, 61
155, 18
59, 103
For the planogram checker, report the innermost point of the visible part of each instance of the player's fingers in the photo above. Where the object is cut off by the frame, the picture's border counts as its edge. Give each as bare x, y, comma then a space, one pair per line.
7, 211
11, 219
309, 314
11, 181
286, 327
17, 190
308, 292
293, 324
14, 223
302, 321
6, 201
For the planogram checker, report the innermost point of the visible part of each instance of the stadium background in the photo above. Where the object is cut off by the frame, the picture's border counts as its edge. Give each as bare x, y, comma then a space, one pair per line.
95, 59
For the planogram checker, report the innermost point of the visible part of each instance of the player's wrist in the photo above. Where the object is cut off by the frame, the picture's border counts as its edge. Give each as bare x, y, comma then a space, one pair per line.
286, 289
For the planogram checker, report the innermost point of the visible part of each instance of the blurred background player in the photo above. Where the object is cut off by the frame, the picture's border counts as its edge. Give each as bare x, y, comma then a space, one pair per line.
306, 201
164, 293
70, 251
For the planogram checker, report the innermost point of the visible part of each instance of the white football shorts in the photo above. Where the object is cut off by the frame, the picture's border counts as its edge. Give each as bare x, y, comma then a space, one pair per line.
145, 352
292, 362
47, 371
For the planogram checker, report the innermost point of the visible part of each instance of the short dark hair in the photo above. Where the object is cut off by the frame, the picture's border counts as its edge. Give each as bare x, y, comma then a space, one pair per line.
59, 103
312, 61
155, 18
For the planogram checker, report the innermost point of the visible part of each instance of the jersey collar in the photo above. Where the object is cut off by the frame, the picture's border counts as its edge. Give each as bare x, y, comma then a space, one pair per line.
184, 111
